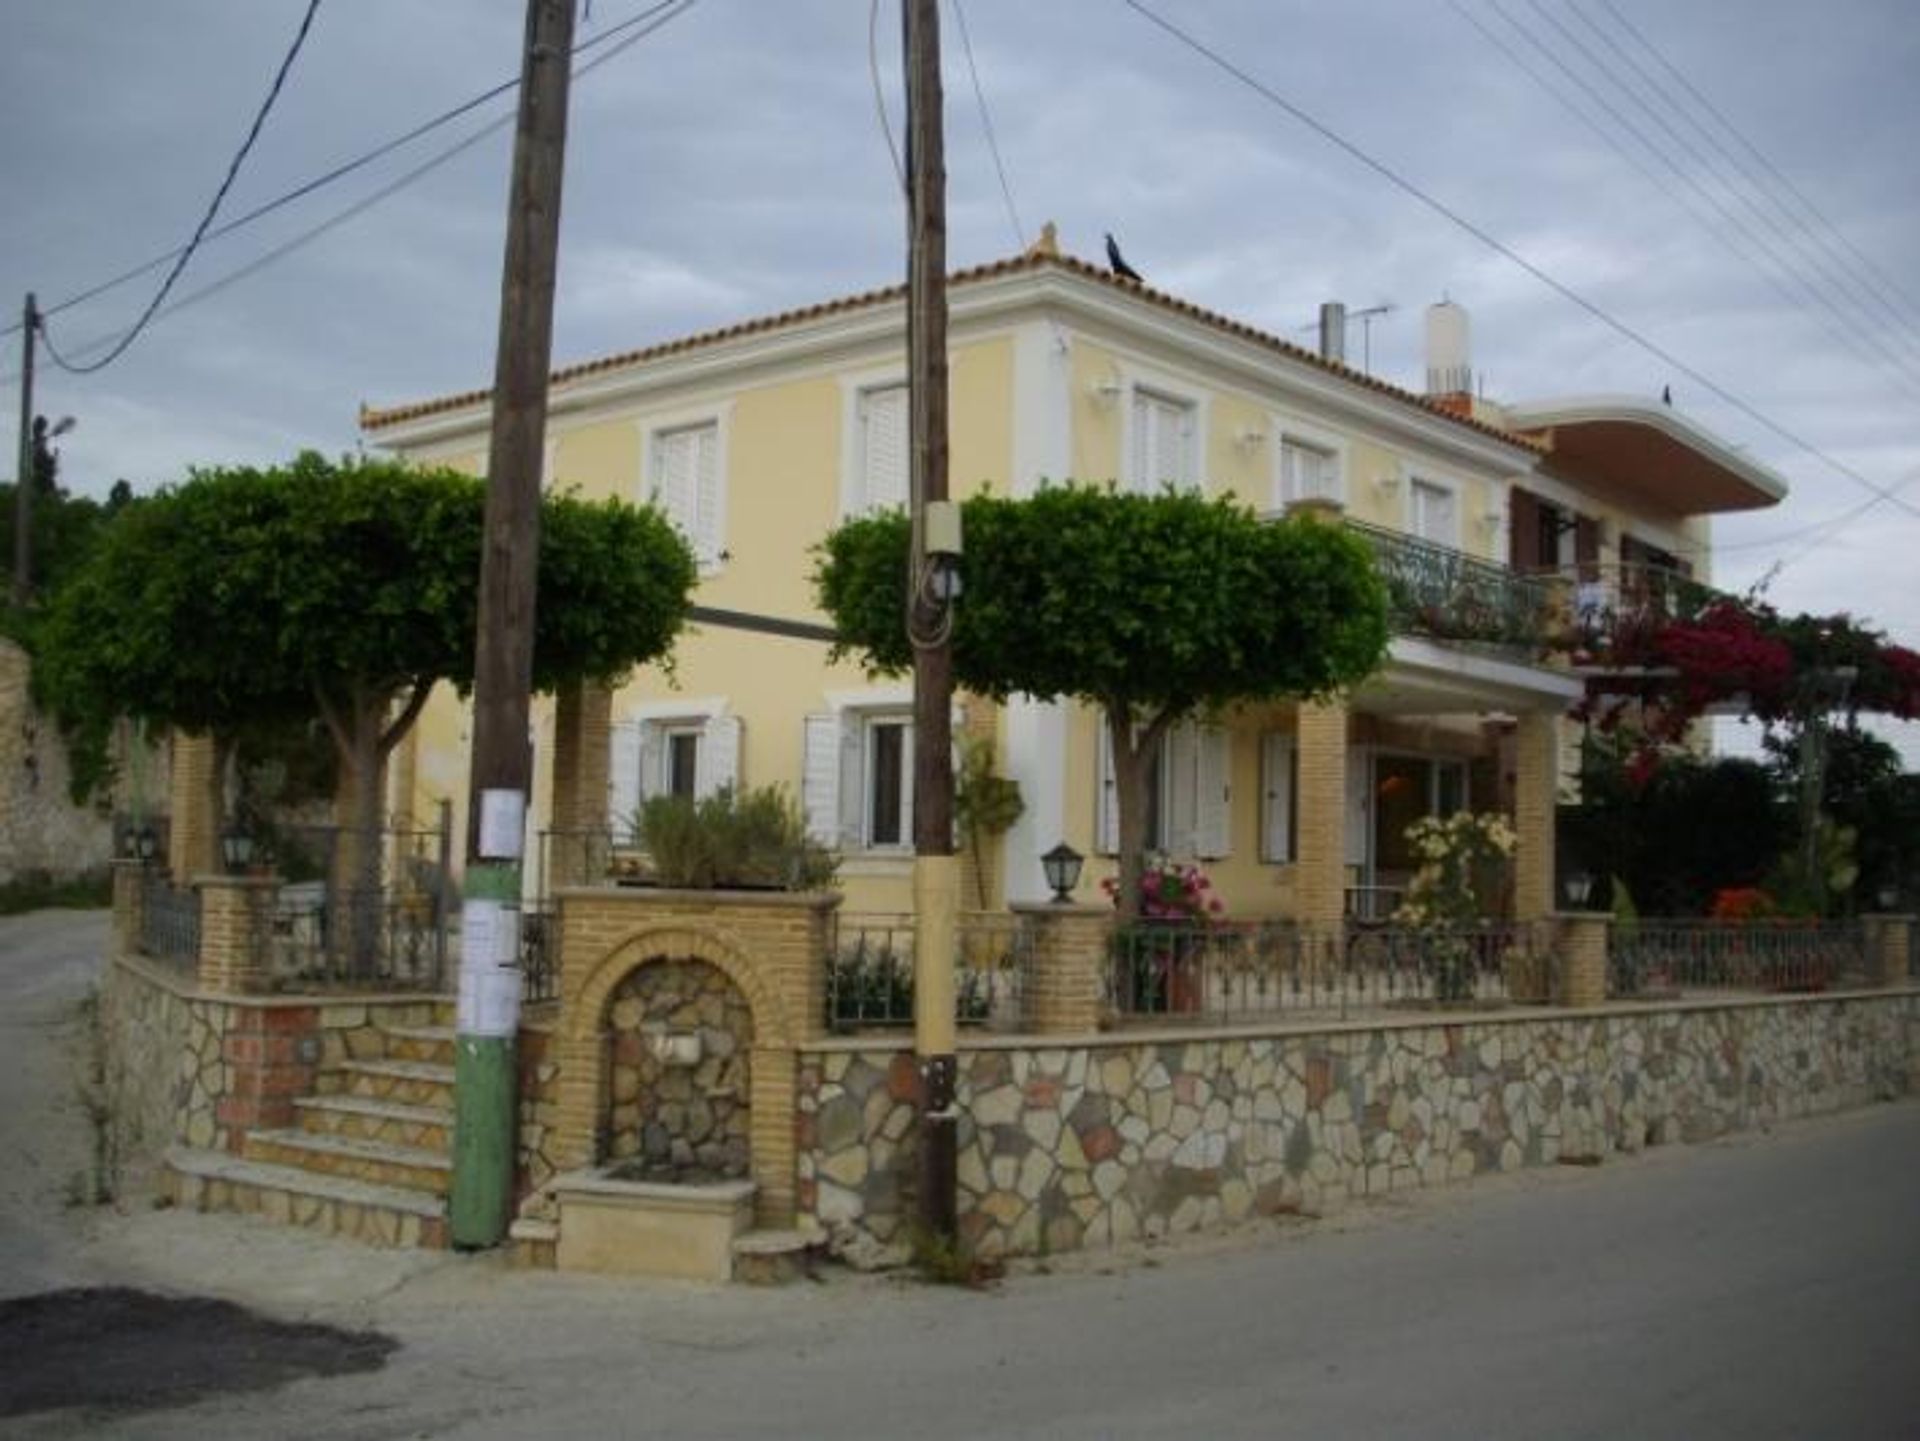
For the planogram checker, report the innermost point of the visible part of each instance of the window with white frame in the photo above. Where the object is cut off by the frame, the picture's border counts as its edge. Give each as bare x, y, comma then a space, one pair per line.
684, 481
857, 778
1164, 443
881, 468
1308, 471
1189, 794
1432, 513
691, 756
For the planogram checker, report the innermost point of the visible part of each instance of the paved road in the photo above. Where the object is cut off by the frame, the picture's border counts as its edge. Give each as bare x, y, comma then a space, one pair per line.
1766, 1287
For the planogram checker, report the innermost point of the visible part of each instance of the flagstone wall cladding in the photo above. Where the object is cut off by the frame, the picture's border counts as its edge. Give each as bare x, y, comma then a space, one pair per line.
538, 1099
675, 1115
1069, 1146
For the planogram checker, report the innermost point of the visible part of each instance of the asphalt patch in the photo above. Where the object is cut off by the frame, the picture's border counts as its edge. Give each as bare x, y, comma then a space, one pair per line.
116, 1349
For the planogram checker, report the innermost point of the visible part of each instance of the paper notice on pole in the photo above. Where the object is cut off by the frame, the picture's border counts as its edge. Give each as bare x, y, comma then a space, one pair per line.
503, 820
496, 1008
489, 997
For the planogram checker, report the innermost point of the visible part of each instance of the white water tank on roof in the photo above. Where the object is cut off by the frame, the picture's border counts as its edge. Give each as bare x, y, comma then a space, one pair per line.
1449, 356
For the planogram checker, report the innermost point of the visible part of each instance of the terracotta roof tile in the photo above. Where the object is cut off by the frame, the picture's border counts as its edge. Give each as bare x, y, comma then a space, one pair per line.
373, 419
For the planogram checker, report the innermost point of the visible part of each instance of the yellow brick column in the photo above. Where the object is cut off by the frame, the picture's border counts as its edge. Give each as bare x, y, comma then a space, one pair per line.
193, 804
1320, 810
772, 1103
1536, 772
582, 731
1887, 942
233, 933
129, 900
1582, 954
1064, 992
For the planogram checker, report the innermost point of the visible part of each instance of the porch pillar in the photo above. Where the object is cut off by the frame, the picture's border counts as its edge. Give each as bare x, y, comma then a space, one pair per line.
1064, 994
582, 731
1536, 772
1320, 810
234, 912
193, 807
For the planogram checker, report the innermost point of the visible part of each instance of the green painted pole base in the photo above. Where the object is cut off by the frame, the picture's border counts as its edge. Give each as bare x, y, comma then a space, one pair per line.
485, 1083
483, 1105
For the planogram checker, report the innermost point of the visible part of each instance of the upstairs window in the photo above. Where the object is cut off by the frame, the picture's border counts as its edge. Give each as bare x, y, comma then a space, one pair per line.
1162, 444
1308, 471
1431, 513
685, 484
881, 471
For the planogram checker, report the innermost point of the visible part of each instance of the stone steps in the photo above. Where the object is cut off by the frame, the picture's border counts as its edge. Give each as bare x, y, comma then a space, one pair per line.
412, 1083
410, 1168
429, 1128
433, 1044
773, 1258
330, 1205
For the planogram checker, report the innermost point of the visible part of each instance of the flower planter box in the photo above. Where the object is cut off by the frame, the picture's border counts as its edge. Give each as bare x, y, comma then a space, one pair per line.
647, 1228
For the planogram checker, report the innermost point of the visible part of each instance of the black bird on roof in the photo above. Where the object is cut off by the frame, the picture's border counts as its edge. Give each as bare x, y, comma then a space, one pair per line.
1666, 395
1118, 262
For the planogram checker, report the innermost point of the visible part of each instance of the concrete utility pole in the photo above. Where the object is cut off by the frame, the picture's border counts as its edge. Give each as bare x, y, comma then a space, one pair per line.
24, 475
936, 886
502, 775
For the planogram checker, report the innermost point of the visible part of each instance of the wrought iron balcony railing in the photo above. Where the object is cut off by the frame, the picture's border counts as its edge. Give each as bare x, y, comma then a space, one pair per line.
1434, 590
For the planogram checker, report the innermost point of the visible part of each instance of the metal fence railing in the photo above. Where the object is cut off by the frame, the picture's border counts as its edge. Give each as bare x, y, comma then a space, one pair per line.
1258, 970
1659, 957
870, 970
539, 953
1435, 590
322, 937
570, 858
169, 920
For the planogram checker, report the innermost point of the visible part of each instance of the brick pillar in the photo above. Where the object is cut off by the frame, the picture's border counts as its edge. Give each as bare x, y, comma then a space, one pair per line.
1320, 801
1887, 941
1064, 993
582, 735
233, 932
272, 1055
1536, 767
129, 902
193, 803
1582, 952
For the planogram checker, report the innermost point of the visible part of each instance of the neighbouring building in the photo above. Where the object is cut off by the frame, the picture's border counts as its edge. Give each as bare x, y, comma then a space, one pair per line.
1507, 533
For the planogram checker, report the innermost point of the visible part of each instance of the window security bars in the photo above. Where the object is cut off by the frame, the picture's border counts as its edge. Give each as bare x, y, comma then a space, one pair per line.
1659, 958
1260, 970
870, 970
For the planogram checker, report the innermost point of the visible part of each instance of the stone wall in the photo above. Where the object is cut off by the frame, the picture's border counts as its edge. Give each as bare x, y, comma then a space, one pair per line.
41, 829
1086, 1144
672, 1117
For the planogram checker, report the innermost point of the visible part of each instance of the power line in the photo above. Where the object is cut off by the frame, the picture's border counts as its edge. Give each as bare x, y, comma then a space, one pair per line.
226, 184
665, 13
342, 170
1486, 238
986, 124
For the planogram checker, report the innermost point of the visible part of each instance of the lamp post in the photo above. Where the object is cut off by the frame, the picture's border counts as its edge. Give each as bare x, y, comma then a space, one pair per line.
1578, 886
1062, 868
236, 848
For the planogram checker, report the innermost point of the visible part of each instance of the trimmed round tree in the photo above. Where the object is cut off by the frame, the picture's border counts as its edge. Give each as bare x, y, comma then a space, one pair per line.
1151, 607
344, 589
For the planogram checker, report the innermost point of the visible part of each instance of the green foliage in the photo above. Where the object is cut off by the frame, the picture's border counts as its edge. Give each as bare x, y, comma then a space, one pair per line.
756, 839
985, 804
1865, 790
1168, 602
39, 891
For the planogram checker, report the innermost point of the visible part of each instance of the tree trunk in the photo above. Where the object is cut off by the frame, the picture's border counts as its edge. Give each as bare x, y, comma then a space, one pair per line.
1131, 771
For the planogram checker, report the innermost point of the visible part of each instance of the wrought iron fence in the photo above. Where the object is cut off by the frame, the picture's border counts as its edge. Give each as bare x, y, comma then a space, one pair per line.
571, 858
1435, 590
1662, 957
1224, 972
1610, 612
870, 970
319, 936
169, 920
539, 953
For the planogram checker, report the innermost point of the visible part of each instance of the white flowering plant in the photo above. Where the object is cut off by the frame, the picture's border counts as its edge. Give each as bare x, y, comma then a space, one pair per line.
1457, 854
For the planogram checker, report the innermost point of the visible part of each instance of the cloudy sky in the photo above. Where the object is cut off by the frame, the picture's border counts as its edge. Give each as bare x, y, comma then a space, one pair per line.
732, 163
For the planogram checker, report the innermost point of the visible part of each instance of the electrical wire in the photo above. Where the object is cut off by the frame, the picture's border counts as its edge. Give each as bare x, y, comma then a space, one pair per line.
213, 208
1485, 237
338, 172
986, 124
880, 95
665, 13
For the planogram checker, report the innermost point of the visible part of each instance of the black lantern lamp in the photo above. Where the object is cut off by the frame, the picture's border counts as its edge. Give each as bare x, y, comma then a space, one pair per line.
1578, 886
1888, 896
236, 848
1062, 866
146, 843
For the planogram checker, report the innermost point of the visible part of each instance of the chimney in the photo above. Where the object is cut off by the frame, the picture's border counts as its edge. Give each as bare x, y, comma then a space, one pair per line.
1333, 332
1449, 366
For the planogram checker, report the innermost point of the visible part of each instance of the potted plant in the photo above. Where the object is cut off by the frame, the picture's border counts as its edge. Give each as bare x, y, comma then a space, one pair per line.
1162, 958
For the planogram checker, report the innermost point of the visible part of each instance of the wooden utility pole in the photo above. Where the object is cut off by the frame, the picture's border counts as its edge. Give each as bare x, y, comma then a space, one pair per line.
935, 873
502, 774
24, 475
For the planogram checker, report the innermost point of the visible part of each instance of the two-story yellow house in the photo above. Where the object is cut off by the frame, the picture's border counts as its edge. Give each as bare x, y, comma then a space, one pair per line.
1498, 527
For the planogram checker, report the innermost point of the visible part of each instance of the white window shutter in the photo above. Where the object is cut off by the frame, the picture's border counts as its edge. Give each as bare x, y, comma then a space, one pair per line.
1359, 805
1106, 799
1141, 422
820, 787
1178, 792
717, 762
623, 778
1213, 801
884, 448
1291, 488
704, 529
673, 478
1276, 797
651, 768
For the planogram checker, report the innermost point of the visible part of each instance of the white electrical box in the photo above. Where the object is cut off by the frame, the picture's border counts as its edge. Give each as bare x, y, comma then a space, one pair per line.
940, 526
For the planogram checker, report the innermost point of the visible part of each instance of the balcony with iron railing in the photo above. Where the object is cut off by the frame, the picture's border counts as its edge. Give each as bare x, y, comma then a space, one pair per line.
1445, 594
